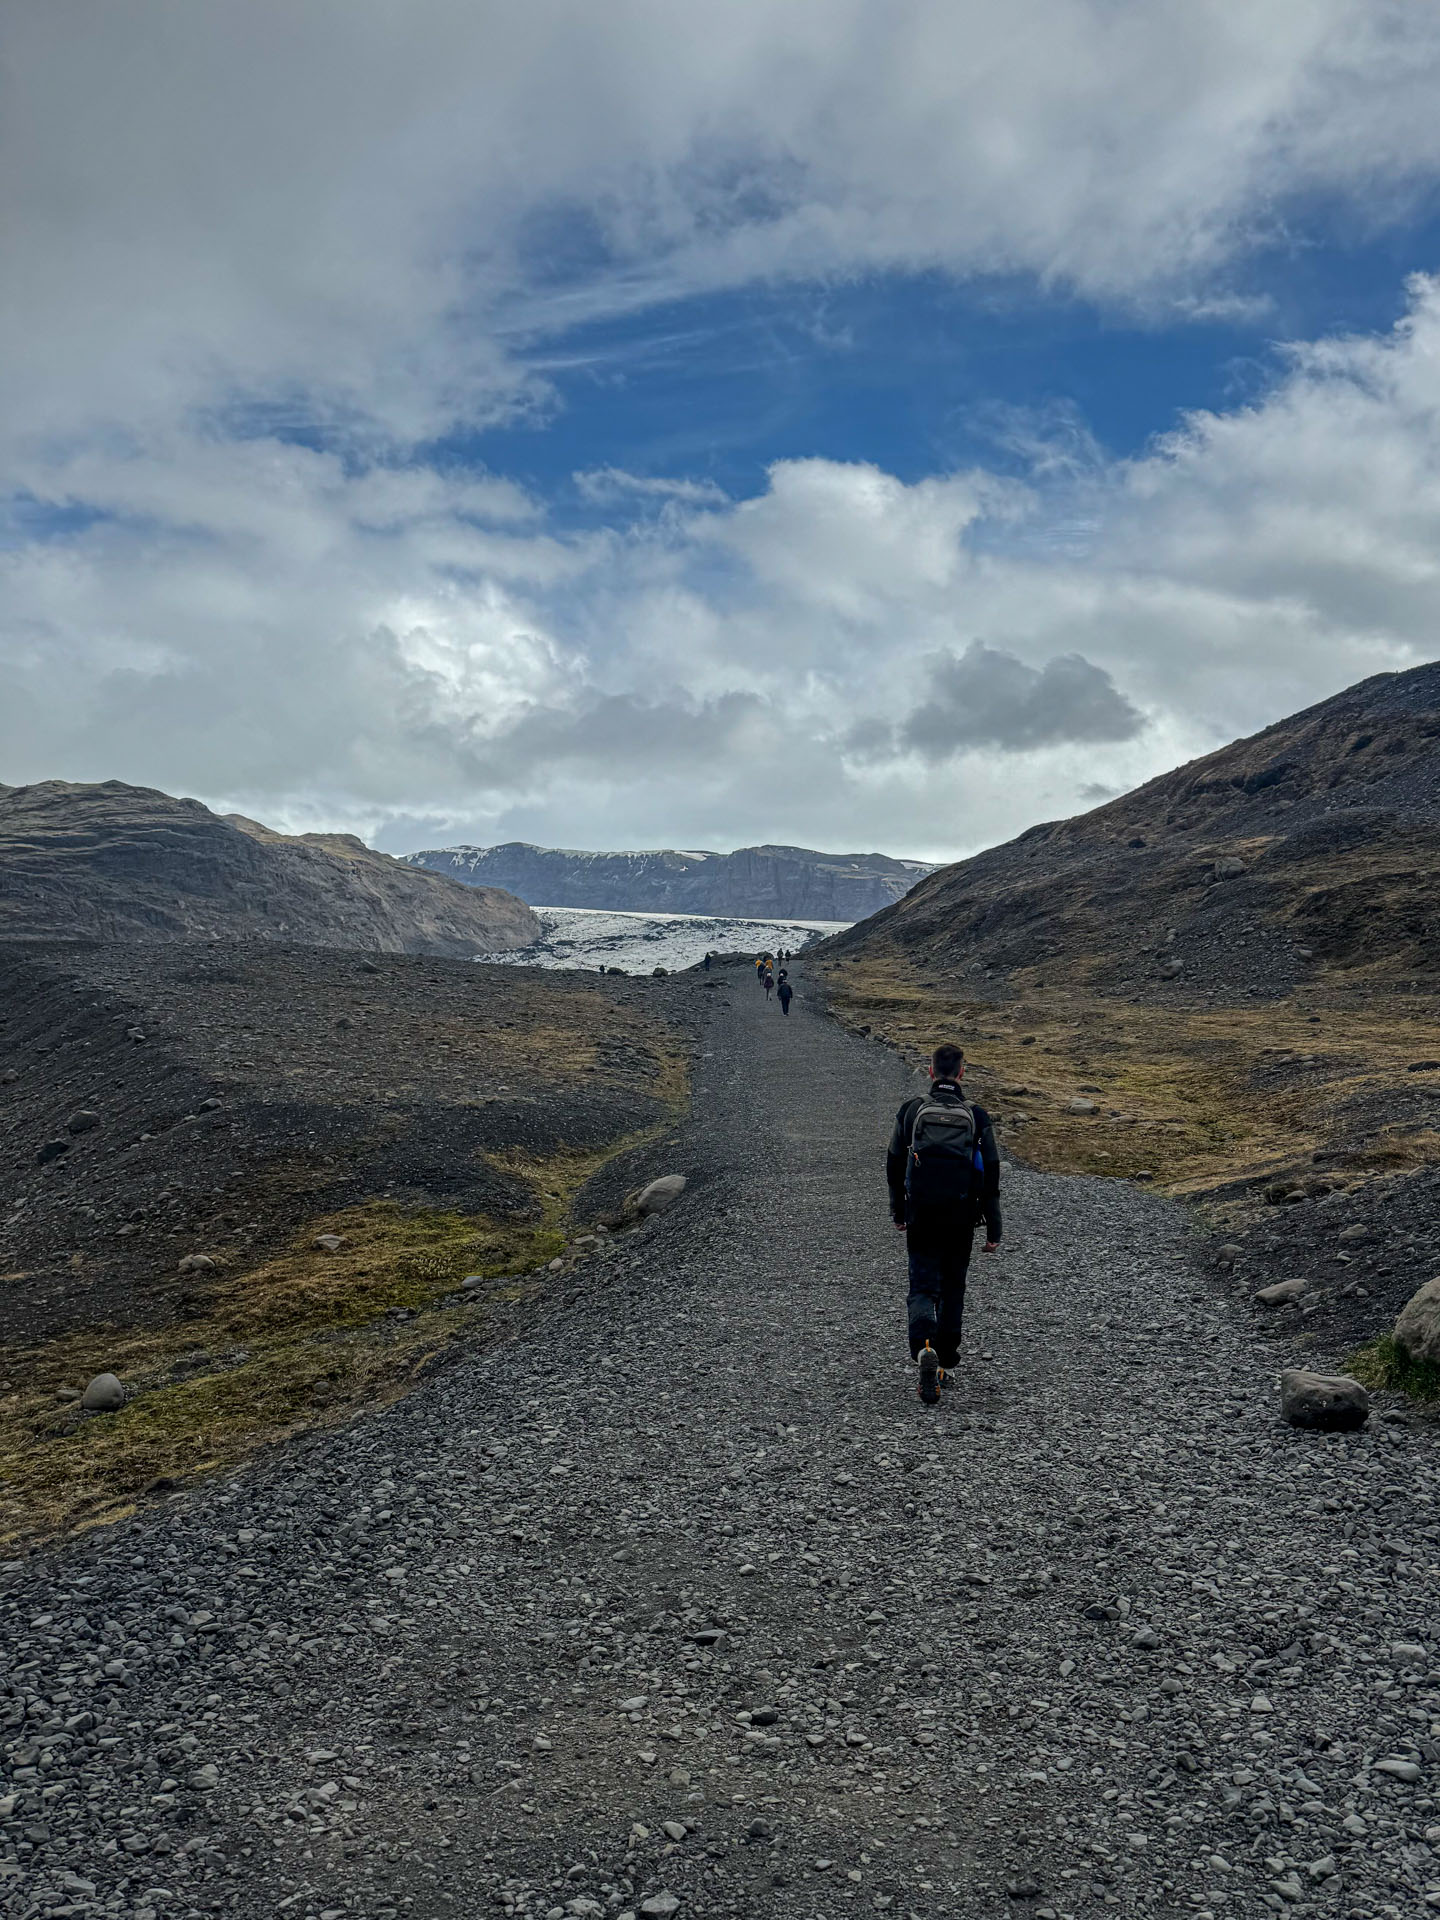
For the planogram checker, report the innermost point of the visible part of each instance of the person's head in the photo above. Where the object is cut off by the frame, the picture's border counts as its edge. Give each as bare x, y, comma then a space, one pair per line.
947, 1062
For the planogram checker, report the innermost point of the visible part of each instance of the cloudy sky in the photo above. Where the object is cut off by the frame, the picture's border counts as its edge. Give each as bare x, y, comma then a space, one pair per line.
858, 423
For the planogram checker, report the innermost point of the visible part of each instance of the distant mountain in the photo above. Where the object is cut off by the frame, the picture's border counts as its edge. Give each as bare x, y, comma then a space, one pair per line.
115, 862
788, 883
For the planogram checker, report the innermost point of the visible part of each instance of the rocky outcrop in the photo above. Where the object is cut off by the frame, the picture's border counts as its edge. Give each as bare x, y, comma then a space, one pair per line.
757, 883
116, 862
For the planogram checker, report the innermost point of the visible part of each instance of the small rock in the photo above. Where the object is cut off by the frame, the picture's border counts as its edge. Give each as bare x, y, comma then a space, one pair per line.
1417, 1331
1423, 1066
1281, 1294
196, 1263
206, 1777
1228, 868
328, 1242
1079, 1105
1304, 953
659, 1906
50, 1150
655, 1198
1405, 1770
1330, 1402
103, 1395
1025, 1888
1357, 1230
10, 1076
83, 1120
1229, 1253
1147, 1639
1172, 968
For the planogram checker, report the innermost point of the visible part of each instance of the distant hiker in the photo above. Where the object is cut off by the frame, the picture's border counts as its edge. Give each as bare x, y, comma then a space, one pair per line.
761, 962
769, 983
707, 963
943, 1172
785, 993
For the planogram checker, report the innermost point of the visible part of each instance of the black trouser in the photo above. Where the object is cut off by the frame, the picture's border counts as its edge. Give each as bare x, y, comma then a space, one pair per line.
936, 1306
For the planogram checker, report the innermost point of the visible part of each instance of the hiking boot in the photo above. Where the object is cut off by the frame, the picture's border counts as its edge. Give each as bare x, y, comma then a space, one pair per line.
947, 1379
929, 1375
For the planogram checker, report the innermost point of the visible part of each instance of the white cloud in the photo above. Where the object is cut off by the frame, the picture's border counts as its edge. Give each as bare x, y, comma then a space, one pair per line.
236, 228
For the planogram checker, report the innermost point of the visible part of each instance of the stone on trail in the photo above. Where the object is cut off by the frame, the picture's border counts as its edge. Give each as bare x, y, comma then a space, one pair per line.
84, 1120
1229, 1253
50, 1150
196, 1263
655, 1198
1281, 1294
1333, 1403
328, 1242
659, 1906
1417, 1331
103, 1395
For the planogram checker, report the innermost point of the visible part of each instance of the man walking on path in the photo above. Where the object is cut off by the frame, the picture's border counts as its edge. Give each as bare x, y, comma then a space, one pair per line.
769, 980
943, 1172
786, 993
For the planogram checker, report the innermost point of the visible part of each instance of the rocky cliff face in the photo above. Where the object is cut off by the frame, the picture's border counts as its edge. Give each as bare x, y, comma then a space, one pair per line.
115, 862
791, 883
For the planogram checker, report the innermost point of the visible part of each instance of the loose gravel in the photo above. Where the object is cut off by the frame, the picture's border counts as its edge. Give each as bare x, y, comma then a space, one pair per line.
682, 1604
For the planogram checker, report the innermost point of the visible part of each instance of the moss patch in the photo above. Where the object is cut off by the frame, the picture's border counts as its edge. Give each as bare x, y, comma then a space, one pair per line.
1385, 1365
308, 1337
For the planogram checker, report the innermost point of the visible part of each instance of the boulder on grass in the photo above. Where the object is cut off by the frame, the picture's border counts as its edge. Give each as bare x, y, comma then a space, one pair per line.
660, 1194
103, 1395
1333, 1403
1417, 1331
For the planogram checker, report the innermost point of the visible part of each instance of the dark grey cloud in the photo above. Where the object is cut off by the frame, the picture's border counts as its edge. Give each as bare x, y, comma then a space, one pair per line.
986, 698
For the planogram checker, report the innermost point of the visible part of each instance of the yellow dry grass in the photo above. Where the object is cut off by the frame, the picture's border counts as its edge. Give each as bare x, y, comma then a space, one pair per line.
1195, 1099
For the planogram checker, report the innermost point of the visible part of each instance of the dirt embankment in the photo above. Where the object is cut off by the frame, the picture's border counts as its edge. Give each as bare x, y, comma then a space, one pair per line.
178, 1129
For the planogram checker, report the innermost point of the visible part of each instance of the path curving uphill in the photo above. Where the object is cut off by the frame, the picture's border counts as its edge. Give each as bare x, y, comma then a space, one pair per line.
683, 1604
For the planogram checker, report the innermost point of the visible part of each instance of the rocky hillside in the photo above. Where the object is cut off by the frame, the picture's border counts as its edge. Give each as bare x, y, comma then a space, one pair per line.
115, 862
1307, 847
758, 883
1223, 982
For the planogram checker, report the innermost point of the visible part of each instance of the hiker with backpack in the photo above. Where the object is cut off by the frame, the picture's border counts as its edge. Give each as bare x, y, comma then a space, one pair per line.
785, 992
943, 1171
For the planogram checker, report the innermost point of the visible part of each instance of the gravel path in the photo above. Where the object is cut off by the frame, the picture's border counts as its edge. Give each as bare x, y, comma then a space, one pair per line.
686, 1605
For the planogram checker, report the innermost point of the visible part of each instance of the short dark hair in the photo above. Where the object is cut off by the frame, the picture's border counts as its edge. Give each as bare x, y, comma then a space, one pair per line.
947, 1060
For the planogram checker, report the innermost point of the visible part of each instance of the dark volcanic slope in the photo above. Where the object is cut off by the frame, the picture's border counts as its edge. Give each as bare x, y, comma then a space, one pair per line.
115, 862
754, 882
1314, 840
234, 1096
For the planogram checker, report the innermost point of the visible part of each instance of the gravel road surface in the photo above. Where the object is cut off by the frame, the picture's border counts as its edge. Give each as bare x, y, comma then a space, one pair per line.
680, 1603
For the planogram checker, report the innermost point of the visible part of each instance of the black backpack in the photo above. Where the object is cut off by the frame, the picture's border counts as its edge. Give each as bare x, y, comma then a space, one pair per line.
944, 1149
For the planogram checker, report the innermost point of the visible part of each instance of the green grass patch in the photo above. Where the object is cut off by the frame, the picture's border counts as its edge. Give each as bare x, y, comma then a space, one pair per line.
1385, 1365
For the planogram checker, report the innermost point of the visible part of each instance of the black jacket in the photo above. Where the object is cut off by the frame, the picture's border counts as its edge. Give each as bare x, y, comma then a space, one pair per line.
986, 1202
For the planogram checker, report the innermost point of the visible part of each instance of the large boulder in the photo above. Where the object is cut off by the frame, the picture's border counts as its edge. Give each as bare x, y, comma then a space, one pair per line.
103, 1395
1334, 1403
660, 1194
1417, 1331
